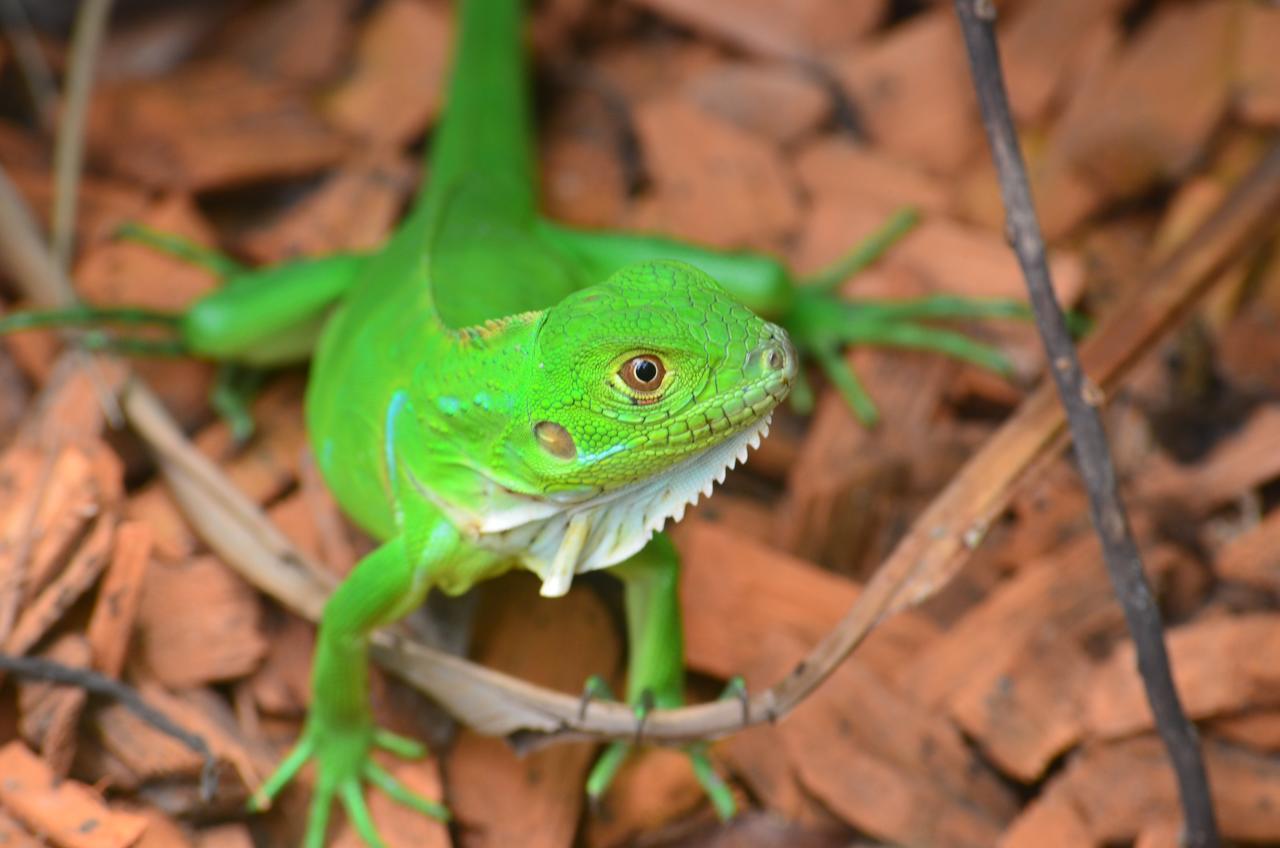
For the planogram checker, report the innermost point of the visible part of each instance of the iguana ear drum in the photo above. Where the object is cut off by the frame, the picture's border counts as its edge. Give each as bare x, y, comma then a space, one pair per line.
555, 440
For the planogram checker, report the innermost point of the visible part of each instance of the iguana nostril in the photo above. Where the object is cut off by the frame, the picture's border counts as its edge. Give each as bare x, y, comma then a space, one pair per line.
774, 358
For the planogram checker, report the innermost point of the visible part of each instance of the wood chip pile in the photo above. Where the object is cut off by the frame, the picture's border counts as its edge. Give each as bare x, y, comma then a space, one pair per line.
1004, 711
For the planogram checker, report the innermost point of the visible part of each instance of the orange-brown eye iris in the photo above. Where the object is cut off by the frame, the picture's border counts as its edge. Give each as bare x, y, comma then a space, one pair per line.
643, 373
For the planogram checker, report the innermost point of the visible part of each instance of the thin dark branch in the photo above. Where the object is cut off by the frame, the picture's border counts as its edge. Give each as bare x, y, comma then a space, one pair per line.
1093, 456
126, 696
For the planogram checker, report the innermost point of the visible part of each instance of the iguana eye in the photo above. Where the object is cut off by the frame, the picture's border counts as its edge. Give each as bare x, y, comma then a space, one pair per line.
643, 373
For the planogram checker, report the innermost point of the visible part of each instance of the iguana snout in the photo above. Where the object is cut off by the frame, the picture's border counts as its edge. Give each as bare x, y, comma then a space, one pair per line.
774, 362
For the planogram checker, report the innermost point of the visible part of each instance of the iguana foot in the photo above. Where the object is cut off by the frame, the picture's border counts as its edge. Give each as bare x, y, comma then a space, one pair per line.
821, 324
343, 766
607, 766
236, 385
180, 247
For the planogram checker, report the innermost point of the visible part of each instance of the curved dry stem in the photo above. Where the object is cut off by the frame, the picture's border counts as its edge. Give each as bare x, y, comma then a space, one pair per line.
68, 154
926, 558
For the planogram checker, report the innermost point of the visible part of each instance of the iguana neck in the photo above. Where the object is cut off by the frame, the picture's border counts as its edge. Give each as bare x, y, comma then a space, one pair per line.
474, 380
573, 538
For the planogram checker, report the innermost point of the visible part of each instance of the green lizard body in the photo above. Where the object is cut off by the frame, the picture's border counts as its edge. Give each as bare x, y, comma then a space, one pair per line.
476, 371
480, 398
492, 390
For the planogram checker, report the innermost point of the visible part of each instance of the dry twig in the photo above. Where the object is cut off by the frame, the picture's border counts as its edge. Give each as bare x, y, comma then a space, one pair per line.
91, 23
128, 697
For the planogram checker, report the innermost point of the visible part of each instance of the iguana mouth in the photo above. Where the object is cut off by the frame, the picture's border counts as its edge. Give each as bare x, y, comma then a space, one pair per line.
606, 529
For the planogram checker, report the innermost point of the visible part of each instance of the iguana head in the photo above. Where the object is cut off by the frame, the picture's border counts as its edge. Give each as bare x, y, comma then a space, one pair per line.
642, 392
596, 420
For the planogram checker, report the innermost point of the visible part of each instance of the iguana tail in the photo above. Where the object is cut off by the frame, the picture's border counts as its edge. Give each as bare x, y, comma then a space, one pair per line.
485, 134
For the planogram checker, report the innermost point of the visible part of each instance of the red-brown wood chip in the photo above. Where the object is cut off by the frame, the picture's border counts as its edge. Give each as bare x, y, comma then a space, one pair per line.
51, 714
1148, 114
70, 814
48, 607
397, 84
1121, 789
535, 800
834, 166
209, 126
656, 789
776, 101
352, 211
1259, 77
742, 600
224, 836
306, 41
917, 784
198, 622
1042, 49
712, 182
1253, 557
13, 835
112, 621
919, 111
162, 830
1219, 664
796, 29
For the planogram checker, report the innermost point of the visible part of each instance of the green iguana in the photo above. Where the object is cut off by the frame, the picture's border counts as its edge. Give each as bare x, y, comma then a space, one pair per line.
493, 390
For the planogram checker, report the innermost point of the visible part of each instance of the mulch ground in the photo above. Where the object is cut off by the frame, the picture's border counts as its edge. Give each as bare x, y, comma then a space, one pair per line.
1005, 710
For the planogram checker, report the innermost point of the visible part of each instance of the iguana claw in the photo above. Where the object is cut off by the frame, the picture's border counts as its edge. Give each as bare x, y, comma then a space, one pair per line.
343, 767
606, 767
644, 708
736, 689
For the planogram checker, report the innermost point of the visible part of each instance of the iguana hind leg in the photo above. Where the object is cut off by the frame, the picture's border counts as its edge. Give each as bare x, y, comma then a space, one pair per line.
655, 678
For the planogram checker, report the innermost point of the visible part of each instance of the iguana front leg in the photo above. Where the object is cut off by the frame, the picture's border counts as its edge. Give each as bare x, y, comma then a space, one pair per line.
655, 675
339, 734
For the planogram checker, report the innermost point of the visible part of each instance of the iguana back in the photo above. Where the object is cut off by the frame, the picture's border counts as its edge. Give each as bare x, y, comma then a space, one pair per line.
466, 254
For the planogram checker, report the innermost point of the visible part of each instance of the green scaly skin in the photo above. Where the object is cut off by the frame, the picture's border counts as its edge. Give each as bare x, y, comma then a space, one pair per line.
468, 406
